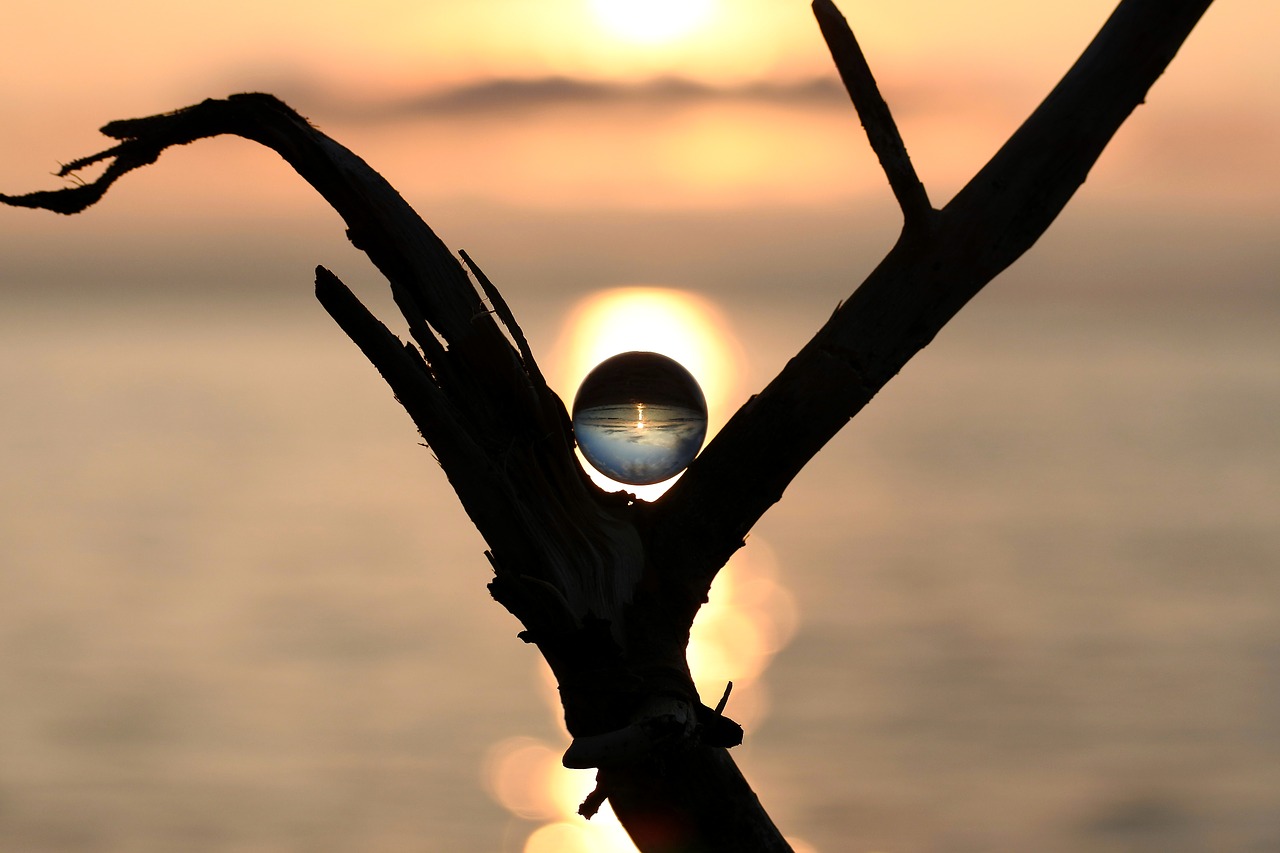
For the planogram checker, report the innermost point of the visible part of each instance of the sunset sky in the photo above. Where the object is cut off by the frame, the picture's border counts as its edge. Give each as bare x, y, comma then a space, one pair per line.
585, 104
574, 145
230, 579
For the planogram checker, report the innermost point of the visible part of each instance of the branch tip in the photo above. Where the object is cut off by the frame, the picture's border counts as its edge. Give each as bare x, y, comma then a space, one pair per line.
591, 805
506, 315
724, 700
877, 120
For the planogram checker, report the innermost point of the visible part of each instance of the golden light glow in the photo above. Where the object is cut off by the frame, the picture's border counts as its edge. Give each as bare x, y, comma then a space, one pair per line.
519, 772
685, 327
717, 151
715, 156
652, 21
675, 323
748, 617
525, 776
603, 834
559, 837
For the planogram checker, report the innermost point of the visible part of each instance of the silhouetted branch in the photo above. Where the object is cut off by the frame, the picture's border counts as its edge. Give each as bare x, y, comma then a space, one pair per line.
605, 585
918, 287
877, 120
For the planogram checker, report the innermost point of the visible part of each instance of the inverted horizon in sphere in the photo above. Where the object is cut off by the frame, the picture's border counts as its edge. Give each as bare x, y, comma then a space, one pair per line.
639, 418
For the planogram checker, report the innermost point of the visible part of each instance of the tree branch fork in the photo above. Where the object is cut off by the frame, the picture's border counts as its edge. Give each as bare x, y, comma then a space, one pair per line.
605, 585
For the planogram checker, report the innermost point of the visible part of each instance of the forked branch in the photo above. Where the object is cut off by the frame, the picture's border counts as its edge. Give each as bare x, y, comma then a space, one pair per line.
927, 277
607, 586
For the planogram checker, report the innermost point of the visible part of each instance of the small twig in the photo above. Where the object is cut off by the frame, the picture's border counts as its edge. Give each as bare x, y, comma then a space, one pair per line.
881, 129
724, 700
591, 805
506, 316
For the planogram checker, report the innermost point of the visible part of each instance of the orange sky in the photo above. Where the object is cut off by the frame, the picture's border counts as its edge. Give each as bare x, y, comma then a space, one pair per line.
742, 196
960, 74
960, 77
148, 49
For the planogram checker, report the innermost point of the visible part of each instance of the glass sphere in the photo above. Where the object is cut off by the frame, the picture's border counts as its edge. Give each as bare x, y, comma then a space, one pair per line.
639, 418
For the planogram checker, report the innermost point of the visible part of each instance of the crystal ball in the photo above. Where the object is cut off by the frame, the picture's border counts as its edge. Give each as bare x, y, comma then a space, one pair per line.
639, 418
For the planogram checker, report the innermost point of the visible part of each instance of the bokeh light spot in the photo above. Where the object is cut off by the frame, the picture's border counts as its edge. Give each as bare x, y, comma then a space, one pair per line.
520, 773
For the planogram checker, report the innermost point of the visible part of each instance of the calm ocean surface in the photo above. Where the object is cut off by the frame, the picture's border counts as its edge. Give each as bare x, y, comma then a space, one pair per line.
1038, 587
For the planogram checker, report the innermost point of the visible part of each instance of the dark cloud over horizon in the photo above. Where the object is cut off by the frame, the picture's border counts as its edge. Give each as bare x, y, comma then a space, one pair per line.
507, 94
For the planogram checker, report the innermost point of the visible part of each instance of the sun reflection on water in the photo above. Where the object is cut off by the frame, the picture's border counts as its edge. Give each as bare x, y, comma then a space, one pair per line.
748, 618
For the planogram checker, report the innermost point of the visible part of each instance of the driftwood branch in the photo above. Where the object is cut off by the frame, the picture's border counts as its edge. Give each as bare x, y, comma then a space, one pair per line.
877, 120
605, 585
919, 286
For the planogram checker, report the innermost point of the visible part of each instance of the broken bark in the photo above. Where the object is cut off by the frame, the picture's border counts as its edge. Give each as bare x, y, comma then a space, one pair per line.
606, 585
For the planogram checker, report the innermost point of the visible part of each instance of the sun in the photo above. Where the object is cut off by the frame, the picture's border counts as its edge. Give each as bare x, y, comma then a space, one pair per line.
652, 21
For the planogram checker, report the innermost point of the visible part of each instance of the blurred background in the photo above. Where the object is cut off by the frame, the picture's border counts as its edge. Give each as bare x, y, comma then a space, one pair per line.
1026, 600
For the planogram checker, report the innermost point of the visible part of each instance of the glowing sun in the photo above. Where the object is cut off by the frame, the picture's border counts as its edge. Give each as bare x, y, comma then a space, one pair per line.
652, 21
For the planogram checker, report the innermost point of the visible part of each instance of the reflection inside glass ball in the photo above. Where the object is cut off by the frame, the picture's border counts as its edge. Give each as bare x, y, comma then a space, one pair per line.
639, 418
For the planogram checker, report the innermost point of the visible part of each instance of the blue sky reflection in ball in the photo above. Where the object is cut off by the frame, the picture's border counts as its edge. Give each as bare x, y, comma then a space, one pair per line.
639, 418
